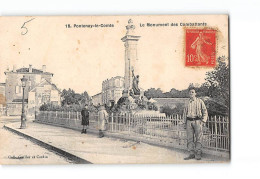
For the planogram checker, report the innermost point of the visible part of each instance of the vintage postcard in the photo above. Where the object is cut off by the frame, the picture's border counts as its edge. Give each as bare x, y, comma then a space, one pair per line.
149, 89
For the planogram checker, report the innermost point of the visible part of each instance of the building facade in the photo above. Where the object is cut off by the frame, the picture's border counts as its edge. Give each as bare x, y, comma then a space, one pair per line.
97, 99
44, 92
112, 89
37, 79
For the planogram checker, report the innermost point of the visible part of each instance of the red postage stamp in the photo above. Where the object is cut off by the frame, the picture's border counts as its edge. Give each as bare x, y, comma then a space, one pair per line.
200, 47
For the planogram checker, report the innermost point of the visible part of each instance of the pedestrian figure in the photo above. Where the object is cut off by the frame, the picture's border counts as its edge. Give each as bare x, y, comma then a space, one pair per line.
85, 119
195, 115
102, 119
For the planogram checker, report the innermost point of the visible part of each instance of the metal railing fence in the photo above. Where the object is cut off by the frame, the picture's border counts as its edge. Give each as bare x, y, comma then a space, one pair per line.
152, 127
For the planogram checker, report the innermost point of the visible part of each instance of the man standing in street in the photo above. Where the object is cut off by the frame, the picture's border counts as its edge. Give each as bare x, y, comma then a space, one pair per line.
195, 115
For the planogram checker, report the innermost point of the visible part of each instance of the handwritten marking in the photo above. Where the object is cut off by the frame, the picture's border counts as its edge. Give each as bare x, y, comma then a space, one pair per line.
23, 27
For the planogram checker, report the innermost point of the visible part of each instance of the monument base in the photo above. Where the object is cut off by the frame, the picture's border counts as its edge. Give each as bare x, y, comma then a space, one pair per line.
136, 105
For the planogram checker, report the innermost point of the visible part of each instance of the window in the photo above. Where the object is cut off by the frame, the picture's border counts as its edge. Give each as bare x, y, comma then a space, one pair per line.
122, 83
18, 89
117, 83
45, 98
37, 79
113, 83
112, 94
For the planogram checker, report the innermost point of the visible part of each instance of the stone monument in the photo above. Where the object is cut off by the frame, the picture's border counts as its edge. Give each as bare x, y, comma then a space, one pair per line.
133, 99
131, 55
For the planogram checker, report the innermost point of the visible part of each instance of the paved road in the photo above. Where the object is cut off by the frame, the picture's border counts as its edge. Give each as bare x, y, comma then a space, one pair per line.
107, 150
15, 149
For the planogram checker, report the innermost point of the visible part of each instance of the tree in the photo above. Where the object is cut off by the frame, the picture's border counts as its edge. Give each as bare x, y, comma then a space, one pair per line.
154, 93
85, 98
168, 95
203, 90
178, 109
69, 97
218, 80
174, 93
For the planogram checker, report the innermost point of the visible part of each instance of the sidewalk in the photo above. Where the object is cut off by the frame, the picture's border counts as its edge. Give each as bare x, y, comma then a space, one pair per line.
88, 148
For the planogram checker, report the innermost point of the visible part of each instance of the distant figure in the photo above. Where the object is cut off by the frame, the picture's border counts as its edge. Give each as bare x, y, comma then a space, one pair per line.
135, 84
195, 115
85, 119
102, 119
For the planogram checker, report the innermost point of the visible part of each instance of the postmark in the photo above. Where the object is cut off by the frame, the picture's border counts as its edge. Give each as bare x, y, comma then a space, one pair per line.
200, 47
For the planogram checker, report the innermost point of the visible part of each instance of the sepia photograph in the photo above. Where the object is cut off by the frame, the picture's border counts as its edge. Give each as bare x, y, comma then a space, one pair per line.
140, 89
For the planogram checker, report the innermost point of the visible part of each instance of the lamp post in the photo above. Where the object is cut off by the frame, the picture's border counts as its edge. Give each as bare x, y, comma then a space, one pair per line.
23, 119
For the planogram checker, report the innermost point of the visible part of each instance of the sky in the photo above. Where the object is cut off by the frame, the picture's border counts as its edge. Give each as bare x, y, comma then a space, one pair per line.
81, 58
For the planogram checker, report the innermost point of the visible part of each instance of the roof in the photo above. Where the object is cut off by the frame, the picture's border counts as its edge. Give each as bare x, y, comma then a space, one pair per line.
112, 78
45, 80
96, 95
34, 70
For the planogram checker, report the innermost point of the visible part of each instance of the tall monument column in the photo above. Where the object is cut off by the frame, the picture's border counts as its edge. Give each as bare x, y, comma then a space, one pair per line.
131, 58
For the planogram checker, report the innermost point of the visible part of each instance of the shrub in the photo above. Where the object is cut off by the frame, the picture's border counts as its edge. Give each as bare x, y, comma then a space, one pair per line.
178, 109
215, 108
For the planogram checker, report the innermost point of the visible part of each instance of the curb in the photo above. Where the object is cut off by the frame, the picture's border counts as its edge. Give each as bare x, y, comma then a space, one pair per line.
74, 158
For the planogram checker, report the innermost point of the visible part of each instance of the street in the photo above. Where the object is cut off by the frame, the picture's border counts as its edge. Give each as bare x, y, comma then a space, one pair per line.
18, 150
76, 147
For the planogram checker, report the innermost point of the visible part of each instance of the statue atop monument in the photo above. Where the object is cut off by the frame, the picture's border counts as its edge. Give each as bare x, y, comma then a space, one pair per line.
135, 86
130, 28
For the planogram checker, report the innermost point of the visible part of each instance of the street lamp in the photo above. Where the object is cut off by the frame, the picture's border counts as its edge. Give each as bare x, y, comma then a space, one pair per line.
23, 119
